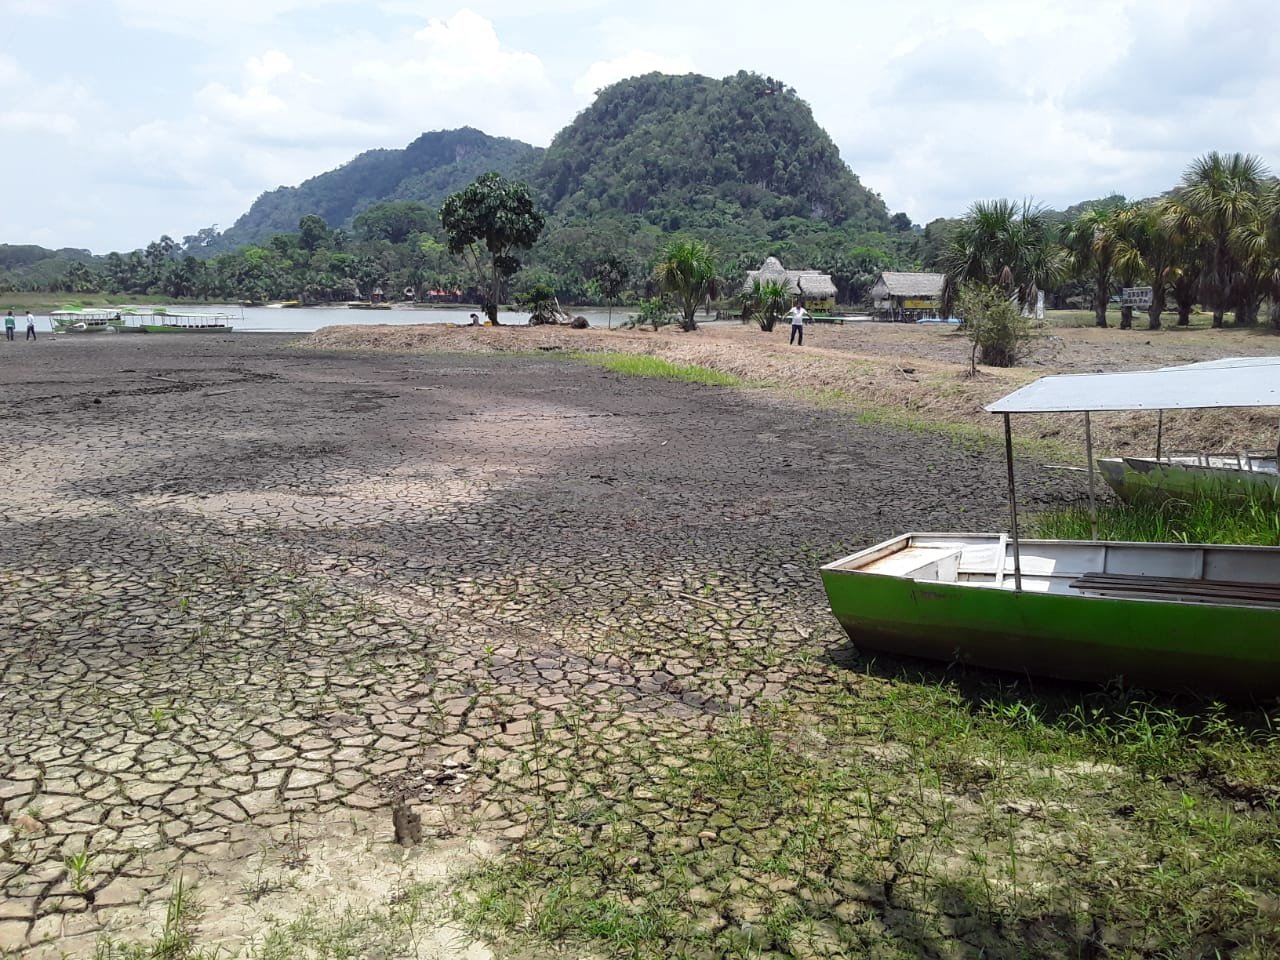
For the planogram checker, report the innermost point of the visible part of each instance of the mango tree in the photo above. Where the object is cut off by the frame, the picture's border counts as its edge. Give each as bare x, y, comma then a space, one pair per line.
485, 223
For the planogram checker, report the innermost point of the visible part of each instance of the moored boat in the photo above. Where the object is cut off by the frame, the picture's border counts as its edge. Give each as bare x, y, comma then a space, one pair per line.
85, 321
1185, 477
176, 323
1173, 616
1170, 616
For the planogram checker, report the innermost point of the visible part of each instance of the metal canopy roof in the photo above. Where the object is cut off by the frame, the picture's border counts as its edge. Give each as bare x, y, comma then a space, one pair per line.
1232, 382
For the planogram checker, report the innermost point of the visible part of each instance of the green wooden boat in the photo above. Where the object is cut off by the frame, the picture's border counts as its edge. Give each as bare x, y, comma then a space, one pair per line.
167, 322
1186, 477
1171, 616
1168, 616
85, 321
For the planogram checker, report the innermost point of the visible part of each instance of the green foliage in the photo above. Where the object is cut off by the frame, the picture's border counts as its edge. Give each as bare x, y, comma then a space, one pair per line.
643, 365
1000, 243
487, 222
395, 222
654, 311
1208, 519
681, 150
687, 271
765, 303
994, 325
426, 171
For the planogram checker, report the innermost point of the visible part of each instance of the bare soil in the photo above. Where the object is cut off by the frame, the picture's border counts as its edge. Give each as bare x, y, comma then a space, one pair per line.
907, 373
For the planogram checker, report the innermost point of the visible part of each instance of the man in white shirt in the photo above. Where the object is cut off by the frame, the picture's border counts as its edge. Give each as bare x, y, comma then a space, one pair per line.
31, 326
797, 315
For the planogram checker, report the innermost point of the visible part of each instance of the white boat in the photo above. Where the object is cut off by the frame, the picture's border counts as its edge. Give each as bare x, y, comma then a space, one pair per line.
85, 321
169, 322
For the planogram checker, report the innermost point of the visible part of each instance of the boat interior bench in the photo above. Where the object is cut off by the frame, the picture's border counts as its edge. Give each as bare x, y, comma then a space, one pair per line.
1178, 588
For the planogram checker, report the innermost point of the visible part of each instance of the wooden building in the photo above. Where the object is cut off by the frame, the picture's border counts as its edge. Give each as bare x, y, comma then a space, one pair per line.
816, 290
907, 296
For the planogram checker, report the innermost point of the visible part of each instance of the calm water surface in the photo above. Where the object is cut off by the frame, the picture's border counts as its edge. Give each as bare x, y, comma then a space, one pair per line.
309, 319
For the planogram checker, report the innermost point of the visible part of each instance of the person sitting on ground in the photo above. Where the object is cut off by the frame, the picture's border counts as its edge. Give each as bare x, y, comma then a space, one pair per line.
475, 320
797, 315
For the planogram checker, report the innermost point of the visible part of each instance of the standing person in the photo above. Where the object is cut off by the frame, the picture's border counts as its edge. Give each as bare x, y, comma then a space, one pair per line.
797, 315
10, 325
31, 326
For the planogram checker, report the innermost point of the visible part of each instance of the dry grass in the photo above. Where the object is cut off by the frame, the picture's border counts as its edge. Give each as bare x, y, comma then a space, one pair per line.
904, 373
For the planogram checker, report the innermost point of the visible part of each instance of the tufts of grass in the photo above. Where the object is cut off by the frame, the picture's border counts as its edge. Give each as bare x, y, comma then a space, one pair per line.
1232, 520
902, 819
642, 365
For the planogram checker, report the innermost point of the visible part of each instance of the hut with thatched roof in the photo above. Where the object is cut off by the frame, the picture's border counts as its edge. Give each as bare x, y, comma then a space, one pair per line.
817, 290
907, 296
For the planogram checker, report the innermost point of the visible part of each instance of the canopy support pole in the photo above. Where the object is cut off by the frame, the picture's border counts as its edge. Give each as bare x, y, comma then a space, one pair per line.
1088, 452
1013, 506
1159, 432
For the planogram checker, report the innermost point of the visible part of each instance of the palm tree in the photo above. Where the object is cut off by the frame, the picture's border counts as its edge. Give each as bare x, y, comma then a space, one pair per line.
687, 271
1091, 242
1005, 244
1218, 195
1151, 250
765, 303
1257, 245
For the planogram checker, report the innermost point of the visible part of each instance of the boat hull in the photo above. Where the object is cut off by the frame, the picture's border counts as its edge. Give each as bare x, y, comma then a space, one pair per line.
1205, 648
1136, 480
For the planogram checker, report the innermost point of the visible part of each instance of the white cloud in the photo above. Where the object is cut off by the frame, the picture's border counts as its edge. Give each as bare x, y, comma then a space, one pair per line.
190, 17
632, 64
933, 104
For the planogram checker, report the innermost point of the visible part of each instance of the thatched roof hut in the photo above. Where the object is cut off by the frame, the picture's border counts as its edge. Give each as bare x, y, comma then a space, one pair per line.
917, 286
809, 284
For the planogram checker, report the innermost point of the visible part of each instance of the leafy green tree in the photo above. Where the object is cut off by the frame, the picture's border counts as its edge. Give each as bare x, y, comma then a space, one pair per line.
313, 232
395, 222
612, 273
486, 222
994, 324
687, 272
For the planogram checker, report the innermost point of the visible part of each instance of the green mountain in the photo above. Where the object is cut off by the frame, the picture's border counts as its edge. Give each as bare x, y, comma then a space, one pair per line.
689, 151
427, 170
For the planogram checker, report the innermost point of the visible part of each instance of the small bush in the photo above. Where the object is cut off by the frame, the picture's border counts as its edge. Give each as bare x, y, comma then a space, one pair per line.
993, 323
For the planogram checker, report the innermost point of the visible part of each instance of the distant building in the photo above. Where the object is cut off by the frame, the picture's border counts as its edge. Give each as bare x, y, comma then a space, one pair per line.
817, 290
907, 296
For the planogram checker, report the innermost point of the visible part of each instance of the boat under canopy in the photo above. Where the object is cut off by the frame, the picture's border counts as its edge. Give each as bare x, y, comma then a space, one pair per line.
1174, 616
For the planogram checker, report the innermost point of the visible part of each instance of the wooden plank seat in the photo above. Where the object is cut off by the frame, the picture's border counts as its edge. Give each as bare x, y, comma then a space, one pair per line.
1178, 588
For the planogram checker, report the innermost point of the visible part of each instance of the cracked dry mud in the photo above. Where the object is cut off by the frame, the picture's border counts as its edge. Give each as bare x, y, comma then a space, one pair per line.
251, 595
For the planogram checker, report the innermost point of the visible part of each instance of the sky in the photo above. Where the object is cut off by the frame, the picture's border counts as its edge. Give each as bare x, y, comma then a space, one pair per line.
121, 120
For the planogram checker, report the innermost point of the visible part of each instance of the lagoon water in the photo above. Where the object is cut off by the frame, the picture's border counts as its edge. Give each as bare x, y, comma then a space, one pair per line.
309, 319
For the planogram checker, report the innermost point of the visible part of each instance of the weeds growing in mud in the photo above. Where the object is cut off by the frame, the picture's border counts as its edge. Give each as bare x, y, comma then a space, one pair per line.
1209, 519
643, 365
904, 819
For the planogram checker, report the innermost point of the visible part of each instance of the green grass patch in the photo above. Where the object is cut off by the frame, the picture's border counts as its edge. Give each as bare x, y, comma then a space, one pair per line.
900, 819
643, 365
1227, 520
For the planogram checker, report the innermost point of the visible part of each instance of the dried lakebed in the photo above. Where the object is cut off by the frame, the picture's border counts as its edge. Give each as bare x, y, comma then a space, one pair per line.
256, 597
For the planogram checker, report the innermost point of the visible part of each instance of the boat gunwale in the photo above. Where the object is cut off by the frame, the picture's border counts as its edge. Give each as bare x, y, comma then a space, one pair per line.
903, 541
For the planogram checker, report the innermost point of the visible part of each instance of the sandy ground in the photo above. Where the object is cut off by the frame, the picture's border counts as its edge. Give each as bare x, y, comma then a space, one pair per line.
906, 372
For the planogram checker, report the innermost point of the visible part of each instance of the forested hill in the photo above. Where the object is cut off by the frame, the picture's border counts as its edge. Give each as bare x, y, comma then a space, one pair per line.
427, 170
690, 151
